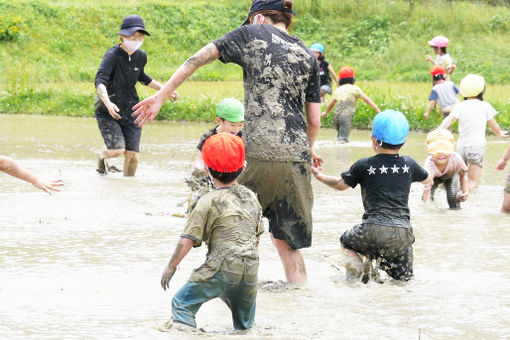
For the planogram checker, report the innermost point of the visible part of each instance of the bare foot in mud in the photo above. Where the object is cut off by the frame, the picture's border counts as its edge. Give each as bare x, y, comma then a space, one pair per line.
172, 325
113, 168
279, 286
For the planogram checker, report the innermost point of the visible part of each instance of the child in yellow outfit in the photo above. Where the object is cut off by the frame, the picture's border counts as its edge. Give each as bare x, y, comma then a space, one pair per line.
346, 95
446, 167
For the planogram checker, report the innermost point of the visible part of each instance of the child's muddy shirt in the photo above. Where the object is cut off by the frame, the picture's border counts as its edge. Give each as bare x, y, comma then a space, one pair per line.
228, 220
280, 75
346, 96
385, 184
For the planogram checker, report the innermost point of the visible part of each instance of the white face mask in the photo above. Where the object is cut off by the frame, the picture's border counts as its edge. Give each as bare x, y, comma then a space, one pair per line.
132, 45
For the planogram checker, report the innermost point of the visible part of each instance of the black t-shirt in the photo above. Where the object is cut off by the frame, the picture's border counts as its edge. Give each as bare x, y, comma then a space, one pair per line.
385, 184
280, 75
210, 133
119, 72
324, 73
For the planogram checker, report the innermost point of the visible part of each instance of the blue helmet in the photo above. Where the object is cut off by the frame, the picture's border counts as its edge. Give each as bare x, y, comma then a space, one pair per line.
317, 47
390, 127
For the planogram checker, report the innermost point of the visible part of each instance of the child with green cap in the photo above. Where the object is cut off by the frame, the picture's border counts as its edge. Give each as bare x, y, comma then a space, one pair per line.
385, 234
230, 119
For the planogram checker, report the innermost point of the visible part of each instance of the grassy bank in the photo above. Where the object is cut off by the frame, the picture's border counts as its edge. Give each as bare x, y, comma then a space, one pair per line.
198, 100
50, 50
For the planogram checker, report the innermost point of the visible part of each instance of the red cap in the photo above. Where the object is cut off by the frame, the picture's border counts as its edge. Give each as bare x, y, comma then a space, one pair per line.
437, 69
224, 152
346, 72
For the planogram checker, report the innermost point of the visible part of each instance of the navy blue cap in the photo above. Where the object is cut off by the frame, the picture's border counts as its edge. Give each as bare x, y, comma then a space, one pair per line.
267, 5
131, 24
390, 127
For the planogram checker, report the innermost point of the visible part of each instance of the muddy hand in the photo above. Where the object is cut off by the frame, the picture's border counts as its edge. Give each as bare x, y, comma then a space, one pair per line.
167, 276
147, 110
501, 164
113, 111
316, 159
49, 186
462, 197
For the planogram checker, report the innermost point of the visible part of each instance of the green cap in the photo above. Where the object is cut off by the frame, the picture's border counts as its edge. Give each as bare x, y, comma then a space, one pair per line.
230, 109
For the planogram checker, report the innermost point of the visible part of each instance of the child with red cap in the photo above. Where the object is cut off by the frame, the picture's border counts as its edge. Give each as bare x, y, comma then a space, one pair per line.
346, 95
444, 92
229, 220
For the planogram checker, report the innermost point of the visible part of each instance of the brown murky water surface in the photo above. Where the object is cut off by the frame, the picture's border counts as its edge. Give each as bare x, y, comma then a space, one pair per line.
86, 262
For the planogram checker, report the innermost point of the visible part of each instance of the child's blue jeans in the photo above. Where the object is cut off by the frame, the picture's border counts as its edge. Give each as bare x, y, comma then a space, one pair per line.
238, 294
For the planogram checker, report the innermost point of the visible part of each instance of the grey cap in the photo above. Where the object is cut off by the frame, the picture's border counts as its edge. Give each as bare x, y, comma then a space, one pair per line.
131, 24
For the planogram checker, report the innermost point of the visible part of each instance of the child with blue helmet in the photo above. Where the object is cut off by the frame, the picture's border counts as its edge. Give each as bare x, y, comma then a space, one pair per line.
385, 233
326, 71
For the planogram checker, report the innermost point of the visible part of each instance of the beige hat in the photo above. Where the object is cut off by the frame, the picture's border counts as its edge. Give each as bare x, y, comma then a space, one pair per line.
440, 141
471, 85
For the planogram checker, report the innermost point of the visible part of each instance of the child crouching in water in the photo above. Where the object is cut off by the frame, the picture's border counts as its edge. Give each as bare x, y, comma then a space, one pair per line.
385, 233
346, 95
230, 119
229, 220
446, 167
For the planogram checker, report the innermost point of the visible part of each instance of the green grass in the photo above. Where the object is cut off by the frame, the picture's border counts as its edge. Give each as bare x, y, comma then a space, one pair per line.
50, 50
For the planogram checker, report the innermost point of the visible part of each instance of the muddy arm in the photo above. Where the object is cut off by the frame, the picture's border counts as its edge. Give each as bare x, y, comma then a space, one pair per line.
181, 250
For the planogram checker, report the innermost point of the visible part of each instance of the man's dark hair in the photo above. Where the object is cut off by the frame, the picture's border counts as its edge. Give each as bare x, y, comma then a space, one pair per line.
350, 80
277, 16
225, 177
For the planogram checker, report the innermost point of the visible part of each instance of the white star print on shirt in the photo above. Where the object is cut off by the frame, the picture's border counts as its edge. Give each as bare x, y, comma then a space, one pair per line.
371, 171
384, 170
395, 168
405, 168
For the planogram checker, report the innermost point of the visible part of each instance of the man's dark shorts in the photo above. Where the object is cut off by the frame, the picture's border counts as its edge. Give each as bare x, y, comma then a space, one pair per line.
394, 245
285, 193
119, 134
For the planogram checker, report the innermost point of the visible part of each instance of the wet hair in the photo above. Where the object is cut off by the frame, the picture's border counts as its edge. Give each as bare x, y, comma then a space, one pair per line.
350, 80
225, 177
438, 77
276, 16
388, 146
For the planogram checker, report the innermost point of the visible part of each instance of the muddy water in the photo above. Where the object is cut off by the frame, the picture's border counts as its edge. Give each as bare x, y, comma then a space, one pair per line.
86, 262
